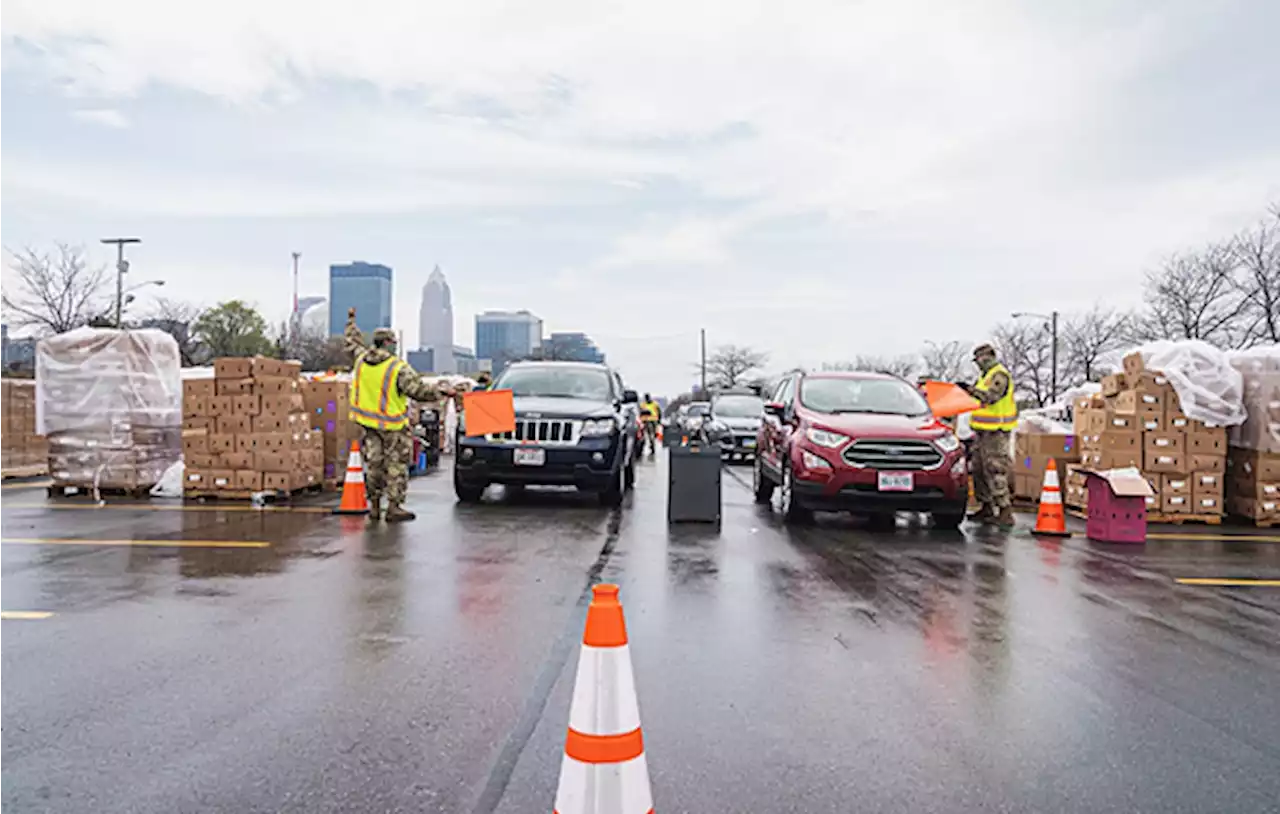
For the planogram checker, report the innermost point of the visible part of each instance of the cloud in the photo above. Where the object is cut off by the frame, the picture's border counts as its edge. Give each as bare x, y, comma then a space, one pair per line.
106, 117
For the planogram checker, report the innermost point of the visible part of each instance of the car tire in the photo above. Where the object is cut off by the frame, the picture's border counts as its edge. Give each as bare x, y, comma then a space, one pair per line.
467, 492
761, 485
612, 496
792, 510
948, 521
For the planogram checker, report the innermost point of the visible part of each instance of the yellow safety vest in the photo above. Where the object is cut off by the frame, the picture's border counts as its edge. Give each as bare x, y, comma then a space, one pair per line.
1001, 416
376, 401
649, 411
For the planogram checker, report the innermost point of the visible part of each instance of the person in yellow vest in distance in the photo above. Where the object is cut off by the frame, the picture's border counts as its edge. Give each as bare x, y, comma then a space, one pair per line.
992, 424
650, 415
381, 386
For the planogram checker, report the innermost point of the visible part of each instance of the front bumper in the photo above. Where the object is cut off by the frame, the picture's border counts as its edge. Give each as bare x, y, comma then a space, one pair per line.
591, 464
738, 444
845, 488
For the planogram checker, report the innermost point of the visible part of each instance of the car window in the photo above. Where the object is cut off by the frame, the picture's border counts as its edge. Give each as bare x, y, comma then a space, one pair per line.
556, 382
738, 407
849, 395
700, 408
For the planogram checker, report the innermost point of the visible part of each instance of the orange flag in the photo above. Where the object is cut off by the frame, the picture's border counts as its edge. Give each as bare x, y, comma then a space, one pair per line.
488, 411
947, 400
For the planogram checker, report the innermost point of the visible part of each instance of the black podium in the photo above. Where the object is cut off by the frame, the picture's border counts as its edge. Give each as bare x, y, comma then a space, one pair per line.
693, 483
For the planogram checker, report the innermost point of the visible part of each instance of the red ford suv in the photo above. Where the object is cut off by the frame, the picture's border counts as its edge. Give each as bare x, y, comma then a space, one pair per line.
858, 442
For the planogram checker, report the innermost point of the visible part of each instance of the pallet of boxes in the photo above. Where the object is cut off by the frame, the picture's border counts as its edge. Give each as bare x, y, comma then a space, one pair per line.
246, 432
1253, 459
26, 454
327, 406
1032, 452
1137, 421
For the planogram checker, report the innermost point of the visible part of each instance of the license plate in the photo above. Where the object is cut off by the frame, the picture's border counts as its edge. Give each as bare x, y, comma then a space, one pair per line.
896, 482
749, 443
530, 457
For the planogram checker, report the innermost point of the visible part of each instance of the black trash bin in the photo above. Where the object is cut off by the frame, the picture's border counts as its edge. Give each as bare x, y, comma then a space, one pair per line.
693, 483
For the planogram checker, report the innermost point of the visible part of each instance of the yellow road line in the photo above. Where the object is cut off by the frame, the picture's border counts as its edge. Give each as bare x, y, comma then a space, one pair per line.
30, 615
1227, 583
144, 507
153, 543
1216, 538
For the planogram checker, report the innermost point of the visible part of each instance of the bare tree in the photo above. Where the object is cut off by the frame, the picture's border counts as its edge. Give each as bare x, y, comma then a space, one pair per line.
1258, 252
1196, 295
903, 366
1088, 337
54, 292
730, 364
178, 319
1027, 350
948, 362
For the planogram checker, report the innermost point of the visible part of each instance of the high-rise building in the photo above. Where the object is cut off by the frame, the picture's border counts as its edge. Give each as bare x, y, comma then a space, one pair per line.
571, 347
435, 321
363, 286
422, 360
506, 336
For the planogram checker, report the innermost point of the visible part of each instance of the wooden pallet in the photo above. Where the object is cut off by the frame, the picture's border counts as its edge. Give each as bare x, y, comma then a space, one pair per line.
1180, 519
1260, 523
28, 471
73, 489
239, 495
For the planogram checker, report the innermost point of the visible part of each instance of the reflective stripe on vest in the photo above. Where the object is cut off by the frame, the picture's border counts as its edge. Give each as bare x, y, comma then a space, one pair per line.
376, 401
1001, 416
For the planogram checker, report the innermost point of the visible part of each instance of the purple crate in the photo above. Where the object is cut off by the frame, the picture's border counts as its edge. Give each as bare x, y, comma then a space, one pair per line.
330, 427
1115, 518
331, 470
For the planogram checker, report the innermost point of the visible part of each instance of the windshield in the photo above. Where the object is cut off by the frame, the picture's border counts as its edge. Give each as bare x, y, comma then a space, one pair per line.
700, 408
556, 382
739, 407
884, 396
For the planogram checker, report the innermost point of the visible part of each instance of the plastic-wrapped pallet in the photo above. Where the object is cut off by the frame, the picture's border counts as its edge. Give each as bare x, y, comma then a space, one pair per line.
110, 403
1260, 369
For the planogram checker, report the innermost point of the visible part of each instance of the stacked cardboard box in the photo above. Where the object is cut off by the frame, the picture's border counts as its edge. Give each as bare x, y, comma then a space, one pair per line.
110, 403
246, 430
25, 453
1253, 462
326, 402
1032, 453
1138, 422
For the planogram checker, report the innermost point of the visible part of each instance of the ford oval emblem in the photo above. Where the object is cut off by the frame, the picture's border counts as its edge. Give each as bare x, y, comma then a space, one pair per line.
532, 415
894, 451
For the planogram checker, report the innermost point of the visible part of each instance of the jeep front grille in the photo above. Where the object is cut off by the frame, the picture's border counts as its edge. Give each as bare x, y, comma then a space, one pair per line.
893, 454
546, 431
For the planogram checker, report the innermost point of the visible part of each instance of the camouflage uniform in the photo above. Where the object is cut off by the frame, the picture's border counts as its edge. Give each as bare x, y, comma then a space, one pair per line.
387, 453
992, 459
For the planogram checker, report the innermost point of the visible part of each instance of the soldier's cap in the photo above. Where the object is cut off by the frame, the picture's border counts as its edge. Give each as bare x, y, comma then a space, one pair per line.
984, 348
381, 336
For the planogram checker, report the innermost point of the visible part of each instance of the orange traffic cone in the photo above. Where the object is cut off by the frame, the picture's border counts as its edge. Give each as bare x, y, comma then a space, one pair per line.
354, 498
604, 770
1049, 518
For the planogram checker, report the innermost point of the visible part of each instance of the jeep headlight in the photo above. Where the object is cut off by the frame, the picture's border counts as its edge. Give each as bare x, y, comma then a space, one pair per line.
599, 427
947, 443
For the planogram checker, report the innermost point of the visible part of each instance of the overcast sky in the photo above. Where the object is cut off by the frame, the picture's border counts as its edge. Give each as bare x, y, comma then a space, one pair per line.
816, 179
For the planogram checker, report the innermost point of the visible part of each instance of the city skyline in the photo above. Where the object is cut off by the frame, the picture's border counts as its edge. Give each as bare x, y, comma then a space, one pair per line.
435, 321
367, 287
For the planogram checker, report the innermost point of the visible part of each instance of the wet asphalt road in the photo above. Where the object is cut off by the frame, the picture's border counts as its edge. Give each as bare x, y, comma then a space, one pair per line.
428, 667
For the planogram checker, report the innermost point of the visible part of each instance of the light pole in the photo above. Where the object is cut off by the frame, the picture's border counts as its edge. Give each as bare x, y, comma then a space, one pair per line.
1052, 319
122, 266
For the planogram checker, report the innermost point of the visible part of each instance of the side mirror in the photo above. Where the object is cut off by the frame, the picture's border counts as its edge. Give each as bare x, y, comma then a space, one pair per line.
630, 397
775, 409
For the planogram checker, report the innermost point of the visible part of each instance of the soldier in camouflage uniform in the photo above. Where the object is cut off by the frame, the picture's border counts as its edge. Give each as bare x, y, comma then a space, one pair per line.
993, 424
387, 453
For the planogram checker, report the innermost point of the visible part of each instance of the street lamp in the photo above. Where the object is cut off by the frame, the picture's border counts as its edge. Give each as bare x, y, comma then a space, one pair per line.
1052, 319
122, 266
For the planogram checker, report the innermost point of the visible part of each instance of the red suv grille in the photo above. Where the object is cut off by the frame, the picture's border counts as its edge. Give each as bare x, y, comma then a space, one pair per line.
893, 454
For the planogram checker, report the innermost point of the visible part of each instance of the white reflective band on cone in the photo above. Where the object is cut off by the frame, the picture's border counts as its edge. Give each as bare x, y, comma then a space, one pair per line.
354, 476
1052, 498
355, 460
1051, 477
604, 788
604, 694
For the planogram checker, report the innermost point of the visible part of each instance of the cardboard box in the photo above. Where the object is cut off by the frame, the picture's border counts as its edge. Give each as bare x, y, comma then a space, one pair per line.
1258, 466
1158, 442
247, 479
272, 461
1256, 490
1150, 423
1112, 385
1119, 459
275, 385
247, 442
1206, 504
291, 368
1174, 484
233, 424
234, 387
1214, 443
1207, 463
1176, 420
264, 368
237, 460
276, 404
275, 481
222, 479
220, 406
1122, 442
197, 423
194, 406
195, 441
248, 404
1213, 488
1139, 403
270, 422
220, 443
1208, 481
1165, 463
198, 389
1254, 508
1134, 364
1261, 428
1175, 504
233, 368
201, 461
272, 441
194, 479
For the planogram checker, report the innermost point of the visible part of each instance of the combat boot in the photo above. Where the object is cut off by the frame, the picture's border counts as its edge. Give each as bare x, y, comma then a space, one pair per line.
375, 508
1005, 519
399, 514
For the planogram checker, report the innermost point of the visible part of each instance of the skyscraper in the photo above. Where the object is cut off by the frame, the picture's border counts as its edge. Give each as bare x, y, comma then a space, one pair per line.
363, 286
505, 336
435, 321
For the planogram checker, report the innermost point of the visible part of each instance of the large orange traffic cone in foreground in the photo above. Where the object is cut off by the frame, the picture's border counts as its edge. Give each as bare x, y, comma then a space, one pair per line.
604, 771
354, 498
1049, 518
